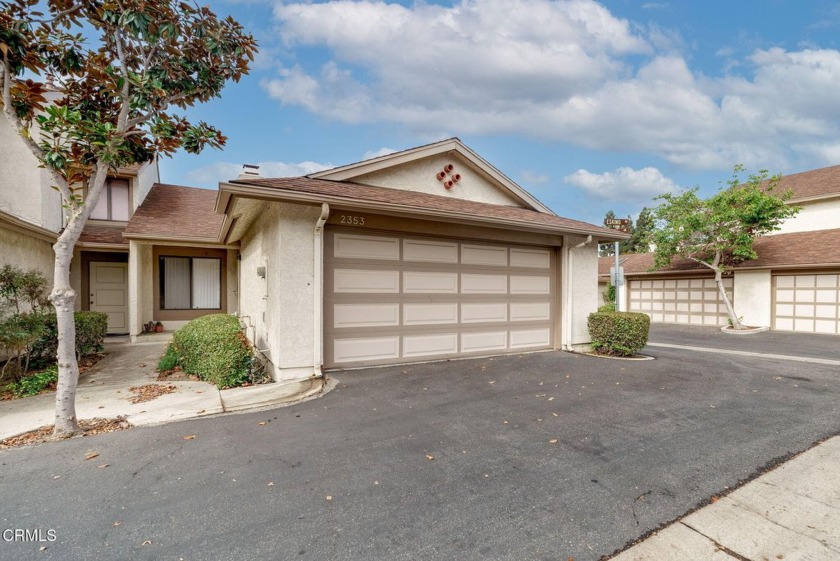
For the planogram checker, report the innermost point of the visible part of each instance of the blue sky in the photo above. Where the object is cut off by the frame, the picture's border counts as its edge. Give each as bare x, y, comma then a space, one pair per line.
591, 106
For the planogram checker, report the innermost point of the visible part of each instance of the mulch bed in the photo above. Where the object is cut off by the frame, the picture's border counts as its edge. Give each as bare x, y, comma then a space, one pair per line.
89, 427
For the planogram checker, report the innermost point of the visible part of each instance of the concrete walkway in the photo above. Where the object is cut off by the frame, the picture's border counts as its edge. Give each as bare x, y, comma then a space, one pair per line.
104, 391
790, 513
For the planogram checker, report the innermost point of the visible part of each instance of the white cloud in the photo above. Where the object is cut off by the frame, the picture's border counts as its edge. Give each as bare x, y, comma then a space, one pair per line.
561, 70
534, 178
224, 171
384, 151
623, 184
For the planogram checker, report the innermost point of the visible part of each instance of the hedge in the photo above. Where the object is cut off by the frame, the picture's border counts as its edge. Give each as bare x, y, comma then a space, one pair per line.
91, 328
618, 333
213, 348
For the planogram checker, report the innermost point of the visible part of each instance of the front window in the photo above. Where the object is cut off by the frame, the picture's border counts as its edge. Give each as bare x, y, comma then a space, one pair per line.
190, 283
114, 201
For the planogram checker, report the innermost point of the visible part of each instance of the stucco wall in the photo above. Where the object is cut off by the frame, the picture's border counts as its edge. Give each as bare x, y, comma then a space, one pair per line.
818, 215
26, 252
25, 190
278, 310
753, 297
140, 287
420, 175
582, 263
146, 177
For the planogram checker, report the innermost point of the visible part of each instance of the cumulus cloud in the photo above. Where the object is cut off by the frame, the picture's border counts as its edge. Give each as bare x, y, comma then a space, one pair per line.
561, 70
623, 184
224, 171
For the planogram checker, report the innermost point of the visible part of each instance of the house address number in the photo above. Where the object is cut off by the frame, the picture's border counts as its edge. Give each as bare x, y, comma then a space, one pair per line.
352, 220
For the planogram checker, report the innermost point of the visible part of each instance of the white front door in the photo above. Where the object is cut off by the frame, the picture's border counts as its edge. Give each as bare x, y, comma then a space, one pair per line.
109, 293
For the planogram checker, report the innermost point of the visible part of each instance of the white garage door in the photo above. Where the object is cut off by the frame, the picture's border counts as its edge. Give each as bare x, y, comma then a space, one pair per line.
807, 303
689, 301
392, 298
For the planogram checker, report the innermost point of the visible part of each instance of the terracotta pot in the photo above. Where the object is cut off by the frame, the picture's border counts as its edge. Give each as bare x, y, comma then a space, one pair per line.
158, 329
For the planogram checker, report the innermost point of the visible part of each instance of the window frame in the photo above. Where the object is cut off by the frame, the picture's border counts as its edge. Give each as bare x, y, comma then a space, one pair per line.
106, 192
162, 283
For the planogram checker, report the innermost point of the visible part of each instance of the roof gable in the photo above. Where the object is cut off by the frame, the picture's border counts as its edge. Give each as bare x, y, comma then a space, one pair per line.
176, 212
430, 168
813, 184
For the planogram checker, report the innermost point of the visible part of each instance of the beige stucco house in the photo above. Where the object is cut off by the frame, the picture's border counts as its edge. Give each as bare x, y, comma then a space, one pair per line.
426, 254
793, 285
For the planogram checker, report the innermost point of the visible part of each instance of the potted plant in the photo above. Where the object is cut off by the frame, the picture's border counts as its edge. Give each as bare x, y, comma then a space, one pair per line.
158, 327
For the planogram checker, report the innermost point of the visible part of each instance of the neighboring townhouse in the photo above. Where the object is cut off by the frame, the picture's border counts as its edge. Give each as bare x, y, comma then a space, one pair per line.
31, 217
429, 253
793, 285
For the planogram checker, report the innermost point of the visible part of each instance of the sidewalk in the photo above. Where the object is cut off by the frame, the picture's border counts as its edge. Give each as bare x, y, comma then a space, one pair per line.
103, 391
791, 513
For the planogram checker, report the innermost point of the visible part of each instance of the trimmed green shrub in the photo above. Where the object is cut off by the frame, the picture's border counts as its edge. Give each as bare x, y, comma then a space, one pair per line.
618, 333
34, 384
90, 336
609, 307
214, 348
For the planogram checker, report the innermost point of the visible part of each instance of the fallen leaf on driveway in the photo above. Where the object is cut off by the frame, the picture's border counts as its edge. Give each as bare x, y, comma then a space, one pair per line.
553, 441
150, 392
42, 548
147, 542
329, 497
261, 423
117, 523
189, 437
430, 457
100, 466
91, 455
270, 484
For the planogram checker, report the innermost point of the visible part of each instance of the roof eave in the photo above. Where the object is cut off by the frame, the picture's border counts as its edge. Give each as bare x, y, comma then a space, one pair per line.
229, 190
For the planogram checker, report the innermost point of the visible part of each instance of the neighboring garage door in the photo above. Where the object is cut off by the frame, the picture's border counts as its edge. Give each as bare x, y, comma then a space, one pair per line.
392, 298
689, 301
809, 303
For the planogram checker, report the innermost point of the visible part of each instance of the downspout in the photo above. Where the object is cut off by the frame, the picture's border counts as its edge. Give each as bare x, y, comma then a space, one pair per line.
567, 345
318, 291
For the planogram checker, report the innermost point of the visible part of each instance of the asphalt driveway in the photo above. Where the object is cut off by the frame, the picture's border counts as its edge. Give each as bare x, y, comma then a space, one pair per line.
540, 456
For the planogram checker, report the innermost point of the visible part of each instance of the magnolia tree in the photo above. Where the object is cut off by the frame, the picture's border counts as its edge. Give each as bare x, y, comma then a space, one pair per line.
121, 70
719, 232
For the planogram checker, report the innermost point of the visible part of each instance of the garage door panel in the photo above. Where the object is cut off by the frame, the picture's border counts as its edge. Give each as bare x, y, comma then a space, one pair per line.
348, 246
365, 315
366, 281
484, 255
689, 301
524, 338
416, 282
430, 314
483, 284
366, 349
478, 312
439, 299
807, 303
430, 345
483, 341
426, 251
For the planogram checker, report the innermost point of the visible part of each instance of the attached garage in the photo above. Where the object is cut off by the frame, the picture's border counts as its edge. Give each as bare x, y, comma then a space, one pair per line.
808, 303
694, 301
393, 298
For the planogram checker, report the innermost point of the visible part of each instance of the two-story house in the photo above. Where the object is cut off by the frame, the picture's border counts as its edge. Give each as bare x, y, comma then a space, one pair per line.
794, 285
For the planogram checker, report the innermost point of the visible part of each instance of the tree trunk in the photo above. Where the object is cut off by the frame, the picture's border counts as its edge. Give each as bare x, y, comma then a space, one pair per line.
63, 297
736, 323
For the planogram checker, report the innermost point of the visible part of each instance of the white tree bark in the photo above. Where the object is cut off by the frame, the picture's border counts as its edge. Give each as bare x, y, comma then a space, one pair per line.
63, 298
730, 309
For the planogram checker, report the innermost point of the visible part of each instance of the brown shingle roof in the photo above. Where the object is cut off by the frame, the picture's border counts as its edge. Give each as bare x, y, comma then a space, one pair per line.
814, 183
805, 249
102, 235
174, 211
367, 193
